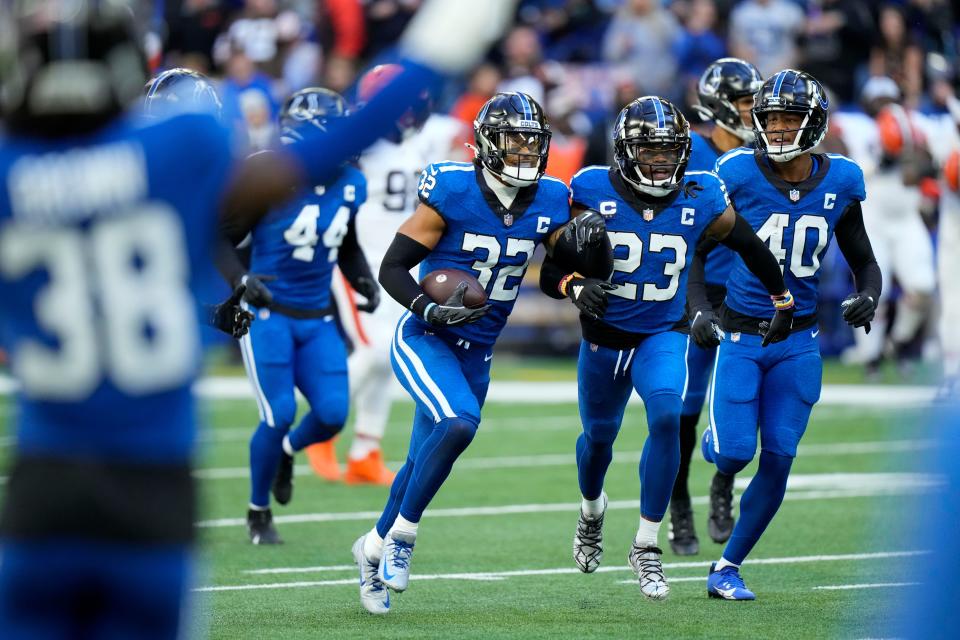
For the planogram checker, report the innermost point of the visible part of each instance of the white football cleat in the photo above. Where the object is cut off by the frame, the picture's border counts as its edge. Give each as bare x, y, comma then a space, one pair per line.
646, 564
395, 564
373, 595
588, 540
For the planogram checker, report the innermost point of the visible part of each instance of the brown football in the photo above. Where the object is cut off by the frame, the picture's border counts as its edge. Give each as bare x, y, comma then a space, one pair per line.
440, 285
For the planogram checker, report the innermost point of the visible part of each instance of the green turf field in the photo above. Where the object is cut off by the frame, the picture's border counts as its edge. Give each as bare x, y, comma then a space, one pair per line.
494, 574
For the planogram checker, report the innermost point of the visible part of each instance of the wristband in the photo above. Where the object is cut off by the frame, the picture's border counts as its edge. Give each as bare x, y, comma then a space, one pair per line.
564, 281
426, 311
783, 302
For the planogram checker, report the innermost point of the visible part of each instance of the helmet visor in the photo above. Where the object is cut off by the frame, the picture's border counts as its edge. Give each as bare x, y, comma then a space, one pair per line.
656, 162
522, 149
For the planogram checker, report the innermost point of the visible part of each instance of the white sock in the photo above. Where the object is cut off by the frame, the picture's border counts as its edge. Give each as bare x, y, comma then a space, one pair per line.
373, 545
403, 525
647, 533
287, 447
723, 563
594, 508
362, 445
256, 507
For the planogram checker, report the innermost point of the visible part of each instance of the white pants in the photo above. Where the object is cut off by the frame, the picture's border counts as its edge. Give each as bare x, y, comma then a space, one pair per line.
904, 250
371, 376
948, 263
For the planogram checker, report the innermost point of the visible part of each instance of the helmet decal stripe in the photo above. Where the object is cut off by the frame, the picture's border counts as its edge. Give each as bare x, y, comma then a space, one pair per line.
661, 118
527, 111
778, 83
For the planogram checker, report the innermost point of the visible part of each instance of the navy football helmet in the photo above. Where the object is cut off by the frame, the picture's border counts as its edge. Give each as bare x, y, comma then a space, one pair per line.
797, 92
312, 107
512, 138
181, 91
723, 83
77, 66
651, 144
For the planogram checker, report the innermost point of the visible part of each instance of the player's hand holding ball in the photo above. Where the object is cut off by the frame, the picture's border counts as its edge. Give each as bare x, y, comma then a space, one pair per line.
457, 298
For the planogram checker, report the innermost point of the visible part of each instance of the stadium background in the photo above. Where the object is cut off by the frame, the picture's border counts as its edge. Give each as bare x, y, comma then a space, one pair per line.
584, 59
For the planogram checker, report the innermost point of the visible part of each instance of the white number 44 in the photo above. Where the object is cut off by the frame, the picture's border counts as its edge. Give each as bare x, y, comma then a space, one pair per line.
303, 235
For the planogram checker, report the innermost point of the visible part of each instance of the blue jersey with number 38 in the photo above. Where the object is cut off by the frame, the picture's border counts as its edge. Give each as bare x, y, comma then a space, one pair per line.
477, 239
652, 245
299, 242
102, 249
795, 220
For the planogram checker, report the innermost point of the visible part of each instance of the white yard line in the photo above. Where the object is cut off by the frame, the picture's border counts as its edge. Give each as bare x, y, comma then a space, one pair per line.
869, 585
501, 575
802, 487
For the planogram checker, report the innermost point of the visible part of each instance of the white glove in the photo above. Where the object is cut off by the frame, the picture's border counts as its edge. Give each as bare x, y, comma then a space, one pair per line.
452, 36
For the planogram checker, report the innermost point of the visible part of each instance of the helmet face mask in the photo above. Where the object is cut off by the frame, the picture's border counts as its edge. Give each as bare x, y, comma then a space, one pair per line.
652, 146
314, 107
513, 138
722, 86
802, 125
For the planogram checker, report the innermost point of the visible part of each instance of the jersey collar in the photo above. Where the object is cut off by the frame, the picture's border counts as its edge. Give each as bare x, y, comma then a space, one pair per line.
798, 189
640, 205
525, 197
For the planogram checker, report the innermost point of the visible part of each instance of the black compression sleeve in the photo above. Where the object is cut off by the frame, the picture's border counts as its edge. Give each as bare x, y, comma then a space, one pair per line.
551, 274
351, 260
228, 260
756, 255
697, 299
404, 254
855, 245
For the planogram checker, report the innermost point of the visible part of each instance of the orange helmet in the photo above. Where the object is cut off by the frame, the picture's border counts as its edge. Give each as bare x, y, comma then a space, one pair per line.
951, 171
380, 76
898, 132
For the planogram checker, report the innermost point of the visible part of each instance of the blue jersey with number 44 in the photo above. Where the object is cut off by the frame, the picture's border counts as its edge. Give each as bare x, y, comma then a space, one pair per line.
102, 249
299, 242
796, 221
482, 237
652, 244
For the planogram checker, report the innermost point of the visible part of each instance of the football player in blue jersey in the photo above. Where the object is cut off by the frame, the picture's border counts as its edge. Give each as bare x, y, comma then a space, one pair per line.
295, 341
655, 212
796, 201
485, 218
106, 222
725, 94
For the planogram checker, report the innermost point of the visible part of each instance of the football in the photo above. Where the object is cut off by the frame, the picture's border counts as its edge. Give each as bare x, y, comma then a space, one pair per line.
440, 285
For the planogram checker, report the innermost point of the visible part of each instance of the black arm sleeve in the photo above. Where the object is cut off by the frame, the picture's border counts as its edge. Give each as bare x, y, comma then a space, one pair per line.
551, 273
855, 245
592, 262
756, 255
404, 254
697, 299
228, 261
350, 259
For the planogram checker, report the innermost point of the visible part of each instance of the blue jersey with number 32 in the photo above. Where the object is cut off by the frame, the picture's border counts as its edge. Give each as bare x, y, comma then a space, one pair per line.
299, 242
476, 240
102, 249
651, 248
795, 220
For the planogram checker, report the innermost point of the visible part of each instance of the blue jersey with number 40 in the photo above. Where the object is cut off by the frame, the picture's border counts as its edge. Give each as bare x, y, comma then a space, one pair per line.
102, 248
299, 242
796, 221
494, 248
652, 244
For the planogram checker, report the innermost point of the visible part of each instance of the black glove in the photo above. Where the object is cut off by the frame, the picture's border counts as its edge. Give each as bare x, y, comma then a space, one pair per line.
257, 293
369, 289
452, 312
590, 295
778, 329
229, 316
705, 330
858, 310
588, 229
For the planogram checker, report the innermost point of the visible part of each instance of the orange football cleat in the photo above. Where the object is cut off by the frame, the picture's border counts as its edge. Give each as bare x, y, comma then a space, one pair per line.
369, 470
323, 460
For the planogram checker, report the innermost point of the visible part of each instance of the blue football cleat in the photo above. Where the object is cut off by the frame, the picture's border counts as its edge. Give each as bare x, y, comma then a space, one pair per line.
727, 584
395, 563
706, 445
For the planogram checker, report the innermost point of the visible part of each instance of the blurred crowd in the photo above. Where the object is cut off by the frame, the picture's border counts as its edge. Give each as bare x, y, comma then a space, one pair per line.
583, 60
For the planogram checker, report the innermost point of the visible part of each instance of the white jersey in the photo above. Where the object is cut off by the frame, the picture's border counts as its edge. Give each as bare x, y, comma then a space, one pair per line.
392, 171
861, 136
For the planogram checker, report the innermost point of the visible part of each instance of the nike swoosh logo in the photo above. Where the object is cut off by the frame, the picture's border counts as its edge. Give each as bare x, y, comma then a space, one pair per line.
726, 593
488, 358
386, 574
814, 334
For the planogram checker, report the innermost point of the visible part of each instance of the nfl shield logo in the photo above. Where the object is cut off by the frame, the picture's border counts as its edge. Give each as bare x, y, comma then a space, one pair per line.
508, 219
648, 214
794, 195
